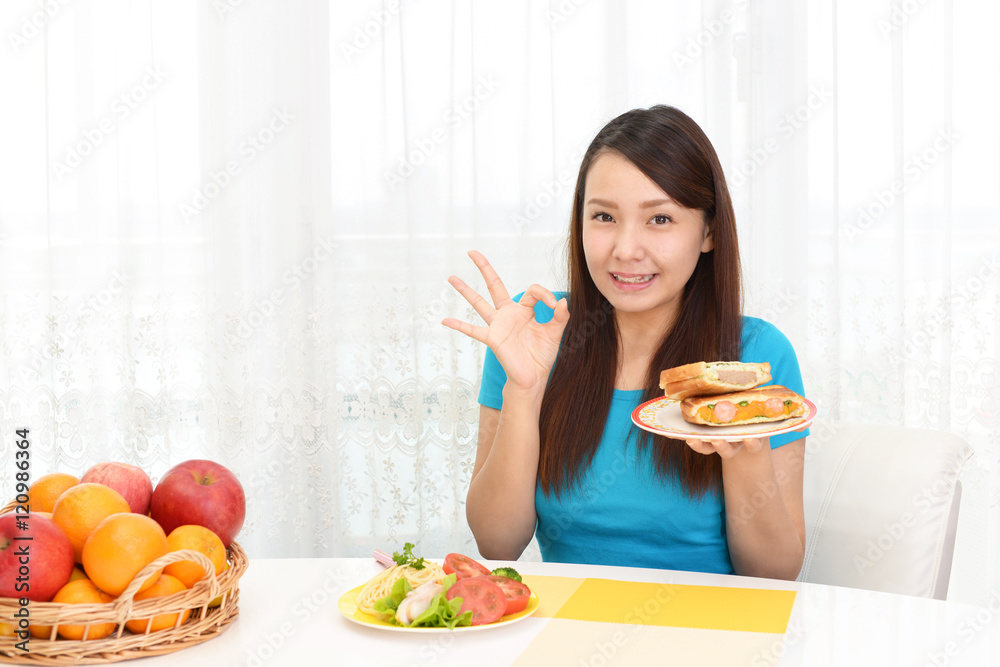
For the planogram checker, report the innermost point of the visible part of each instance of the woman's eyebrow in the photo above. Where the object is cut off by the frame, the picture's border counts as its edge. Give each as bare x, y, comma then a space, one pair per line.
655, 202
652, 203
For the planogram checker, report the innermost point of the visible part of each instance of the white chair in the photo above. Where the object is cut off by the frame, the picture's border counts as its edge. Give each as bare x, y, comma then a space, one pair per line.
881, 507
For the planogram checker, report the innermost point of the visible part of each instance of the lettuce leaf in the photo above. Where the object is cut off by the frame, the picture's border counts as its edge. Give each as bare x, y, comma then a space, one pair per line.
389, 604
442, 613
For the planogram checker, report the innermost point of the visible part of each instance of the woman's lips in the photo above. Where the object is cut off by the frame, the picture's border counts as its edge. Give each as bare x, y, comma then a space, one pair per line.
632, 282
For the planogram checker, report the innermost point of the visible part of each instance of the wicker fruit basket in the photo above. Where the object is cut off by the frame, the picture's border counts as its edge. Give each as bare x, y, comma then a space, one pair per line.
204, 623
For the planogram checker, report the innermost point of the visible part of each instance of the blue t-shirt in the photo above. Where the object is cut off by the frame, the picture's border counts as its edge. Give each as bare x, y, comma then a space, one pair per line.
620, 512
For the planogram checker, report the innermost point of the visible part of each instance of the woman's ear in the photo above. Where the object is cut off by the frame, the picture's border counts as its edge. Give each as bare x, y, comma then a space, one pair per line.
708, 243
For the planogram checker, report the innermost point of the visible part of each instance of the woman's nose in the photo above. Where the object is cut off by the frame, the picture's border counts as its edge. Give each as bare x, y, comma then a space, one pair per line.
629, 242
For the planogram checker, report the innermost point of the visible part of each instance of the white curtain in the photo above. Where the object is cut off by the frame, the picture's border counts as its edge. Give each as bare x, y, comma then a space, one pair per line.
226, 227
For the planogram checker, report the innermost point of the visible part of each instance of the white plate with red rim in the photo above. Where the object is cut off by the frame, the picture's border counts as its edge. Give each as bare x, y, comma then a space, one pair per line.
663, 417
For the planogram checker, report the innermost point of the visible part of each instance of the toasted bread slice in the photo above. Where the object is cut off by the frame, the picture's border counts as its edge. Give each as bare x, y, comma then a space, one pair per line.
707, 378
763, 404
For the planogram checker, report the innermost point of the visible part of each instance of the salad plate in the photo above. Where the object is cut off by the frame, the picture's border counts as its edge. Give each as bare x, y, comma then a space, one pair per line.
349, 608
663, 416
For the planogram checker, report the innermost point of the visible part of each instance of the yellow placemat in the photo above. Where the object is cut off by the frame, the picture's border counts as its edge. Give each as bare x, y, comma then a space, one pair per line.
552, 592
677, 605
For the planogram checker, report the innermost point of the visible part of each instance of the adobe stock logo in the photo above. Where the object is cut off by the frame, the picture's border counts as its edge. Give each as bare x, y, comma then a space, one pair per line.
562, 12
64, 336
224, 7
914, 167
971, 628
365, 34
33, 24
296, 617
549, 191
121, 109
711, 30
785, 129
100, 301
899, 15
771, 656
425, 147
220, 179
264, 309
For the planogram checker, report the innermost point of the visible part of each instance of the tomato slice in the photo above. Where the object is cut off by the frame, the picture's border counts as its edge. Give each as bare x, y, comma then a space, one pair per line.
481, 596
463, 566
517, 594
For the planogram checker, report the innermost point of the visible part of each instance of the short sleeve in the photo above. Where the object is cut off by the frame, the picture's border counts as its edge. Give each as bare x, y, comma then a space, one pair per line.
762, 341
494, 378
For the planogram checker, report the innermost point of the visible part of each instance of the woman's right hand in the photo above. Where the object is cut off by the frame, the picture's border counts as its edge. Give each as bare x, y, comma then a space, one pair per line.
526, 349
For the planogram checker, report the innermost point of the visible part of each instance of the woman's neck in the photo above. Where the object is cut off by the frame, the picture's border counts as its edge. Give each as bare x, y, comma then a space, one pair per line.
639, 337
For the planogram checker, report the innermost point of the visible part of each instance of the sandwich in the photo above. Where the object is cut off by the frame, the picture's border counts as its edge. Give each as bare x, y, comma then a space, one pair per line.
764, 404
707, 378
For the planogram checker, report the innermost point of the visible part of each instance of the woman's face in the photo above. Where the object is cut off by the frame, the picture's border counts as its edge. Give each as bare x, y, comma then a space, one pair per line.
641, 246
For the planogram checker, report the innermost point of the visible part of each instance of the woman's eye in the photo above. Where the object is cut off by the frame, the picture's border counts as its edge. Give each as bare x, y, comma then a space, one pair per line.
603, 217
660, 219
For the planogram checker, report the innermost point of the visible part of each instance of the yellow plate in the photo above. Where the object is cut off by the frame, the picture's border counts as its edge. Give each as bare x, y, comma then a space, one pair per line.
350, 610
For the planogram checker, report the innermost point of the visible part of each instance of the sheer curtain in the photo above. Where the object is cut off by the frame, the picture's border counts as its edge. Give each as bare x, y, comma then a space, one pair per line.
225, 228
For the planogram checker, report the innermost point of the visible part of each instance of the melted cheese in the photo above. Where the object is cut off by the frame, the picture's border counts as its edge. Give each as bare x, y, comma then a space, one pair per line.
749, 411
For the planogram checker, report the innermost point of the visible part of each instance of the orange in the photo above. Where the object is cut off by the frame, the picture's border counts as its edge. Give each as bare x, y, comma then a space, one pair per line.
45, 491
197, 538
119, 547
165, 585
77, 573
81, 591
80, 508
217, 600
42, 631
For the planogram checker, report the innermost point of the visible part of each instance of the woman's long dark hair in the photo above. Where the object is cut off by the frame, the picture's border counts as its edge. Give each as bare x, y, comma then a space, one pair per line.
669, 148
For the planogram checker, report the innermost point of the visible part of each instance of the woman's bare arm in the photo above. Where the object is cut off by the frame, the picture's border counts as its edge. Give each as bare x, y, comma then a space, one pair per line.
765, 519
500, 505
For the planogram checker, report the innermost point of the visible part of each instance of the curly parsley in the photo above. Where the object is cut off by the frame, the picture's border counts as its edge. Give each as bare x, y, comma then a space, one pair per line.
407, 557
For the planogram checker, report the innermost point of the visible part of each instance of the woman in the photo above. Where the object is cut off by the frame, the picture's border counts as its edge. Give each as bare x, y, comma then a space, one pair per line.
654, 282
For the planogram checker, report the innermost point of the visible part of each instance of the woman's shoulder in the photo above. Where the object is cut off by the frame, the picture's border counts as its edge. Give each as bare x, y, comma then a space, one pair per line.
754, 326
761, 337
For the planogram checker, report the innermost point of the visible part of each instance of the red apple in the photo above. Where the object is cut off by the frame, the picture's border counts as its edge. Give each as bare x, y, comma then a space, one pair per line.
200, 492
37, 568
130, 481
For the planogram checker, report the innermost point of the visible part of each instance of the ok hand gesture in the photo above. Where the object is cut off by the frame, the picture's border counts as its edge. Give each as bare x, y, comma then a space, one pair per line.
526, 349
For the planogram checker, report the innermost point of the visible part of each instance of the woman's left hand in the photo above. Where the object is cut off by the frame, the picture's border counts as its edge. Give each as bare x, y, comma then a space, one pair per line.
727, 449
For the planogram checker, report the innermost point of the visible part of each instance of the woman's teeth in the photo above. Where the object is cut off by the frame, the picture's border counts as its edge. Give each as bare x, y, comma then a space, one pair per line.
635, 279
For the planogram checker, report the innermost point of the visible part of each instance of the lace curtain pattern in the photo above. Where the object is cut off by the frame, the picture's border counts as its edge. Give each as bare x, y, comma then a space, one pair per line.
226, 229
350, 421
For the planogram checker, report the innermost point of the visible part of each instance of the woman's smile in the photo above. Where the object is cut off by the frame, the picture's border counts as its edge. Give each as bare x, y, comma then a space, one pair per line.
632, 281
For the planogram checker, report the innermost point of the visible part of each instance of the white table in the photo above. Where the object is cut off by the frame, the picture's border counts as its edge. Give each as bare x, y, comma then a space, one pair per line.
289, 616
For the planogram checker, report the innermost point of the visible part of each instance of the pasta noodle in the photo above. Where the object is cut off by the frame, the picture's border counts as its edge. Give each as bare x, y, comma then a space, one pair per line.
381, 584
